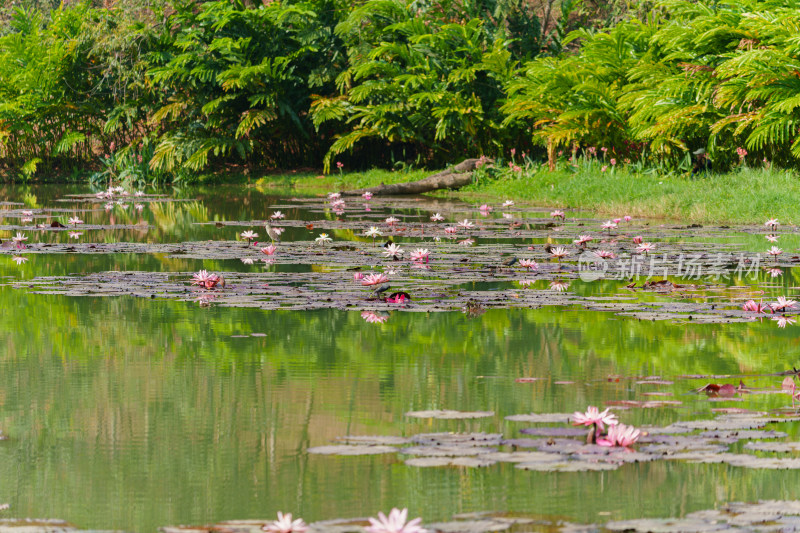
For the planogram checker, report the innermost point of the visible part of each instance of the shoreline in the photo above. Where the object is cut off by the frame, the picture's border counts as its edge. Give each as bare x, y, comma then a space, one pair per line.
743, 196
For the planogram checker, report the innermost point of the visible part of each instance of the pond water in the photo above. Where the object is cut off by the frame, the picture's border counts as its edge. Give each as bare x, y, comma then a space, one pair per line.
133, 413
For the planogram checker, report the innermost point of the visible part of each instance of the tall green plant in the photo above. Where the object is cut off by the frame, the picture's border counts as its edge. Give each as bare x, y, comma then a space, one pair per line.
421, 86
235, 82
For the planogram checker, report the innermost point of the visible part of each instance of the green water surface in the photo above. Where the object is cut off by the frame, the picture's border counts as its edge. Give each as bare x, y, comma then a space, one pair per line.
130, 413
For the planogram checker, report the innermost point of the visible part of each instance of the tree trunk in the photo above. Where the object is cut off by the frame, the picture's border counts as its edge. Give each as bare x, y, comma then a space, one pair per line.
452, 178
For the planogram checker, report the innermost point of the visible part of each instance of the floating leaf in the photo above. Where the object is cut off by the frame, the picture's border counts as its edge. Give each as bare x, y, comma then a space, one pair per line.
450, 415
344, 449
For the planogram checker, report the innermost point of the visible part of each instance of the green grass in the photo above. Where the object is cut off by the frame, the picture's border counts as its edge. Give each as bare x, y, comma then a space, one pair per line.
744, 195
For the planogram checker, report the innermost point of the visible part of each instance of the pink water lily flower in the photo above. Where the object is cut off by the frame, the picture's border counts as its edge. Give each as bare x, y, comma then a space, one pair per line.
775, 252
620, 435
367, 196
285, 524
74, 221
373, 232
334, 195
466, 242
594, 417
248, 235
783, 304
393, 250
205, 279
19, 239
358, 276
466, 224
486, 208
754, 307
394, 523
557, 214
627, 218
772, 223
529, 264
605, 254
374, 279
269, 249
638, 239
420, 255
645, 247
559, 252
451, 230
508, 203
398, 299
609, 225
437, 217
277, 215
582, 240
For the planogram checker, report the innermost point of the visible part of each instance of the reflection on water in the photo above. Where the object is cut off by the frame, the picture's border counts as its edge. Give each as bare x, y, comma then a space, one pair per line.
133, 413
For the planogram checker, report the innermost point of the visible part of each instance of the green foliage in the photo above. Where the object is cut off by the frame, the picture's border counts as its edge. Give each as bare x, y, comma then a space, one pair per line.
394, 83
235, 83
717, 76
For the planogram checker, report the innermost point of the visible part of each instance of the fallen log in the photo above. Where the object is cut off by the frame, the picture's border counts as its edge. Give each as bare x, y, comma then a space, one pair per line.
451, 178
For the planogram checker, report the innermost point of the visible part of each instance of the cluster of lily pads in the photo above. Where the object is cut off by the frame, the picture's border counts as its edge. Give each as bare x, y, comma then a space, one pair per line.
432, 265
608, 444
420, 259
18, 242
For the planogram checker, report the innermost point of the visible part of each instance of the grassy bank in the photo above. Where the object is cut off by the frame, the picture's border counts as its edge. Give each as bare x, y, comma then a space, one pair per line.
745, 195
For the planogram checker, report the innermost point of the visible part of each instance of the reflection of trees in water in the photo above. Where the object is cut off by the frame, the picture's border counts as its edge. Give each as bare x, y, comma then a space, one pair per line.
162, 396
175, 218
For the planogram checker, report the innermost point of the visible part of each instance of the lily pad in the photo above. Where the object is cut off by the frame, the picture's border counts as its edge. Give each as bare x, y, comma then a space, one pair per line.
776, 447
458, 439
446, 451
551, 431
472, 462
666, 525
450, 415
468, 526
344, 449
541, 418
567, 466
375, 440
